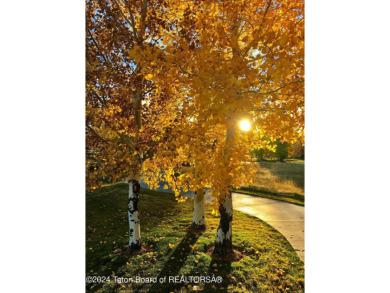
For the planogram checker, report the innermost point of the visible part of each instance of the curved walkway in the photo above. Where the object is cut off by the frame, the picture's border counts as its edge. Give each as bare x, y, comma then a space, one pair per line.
287, 218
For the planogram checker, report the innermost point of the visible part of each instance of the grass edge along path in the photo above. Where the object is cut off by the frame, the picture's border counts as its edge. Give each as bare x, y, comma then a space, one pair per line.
293, 198
265, 262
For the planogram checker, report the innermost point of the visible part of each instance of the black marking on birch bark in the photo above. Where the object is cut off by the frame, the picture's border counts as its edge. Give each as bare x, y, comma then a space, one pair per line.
136, 187
132, 204
225, 220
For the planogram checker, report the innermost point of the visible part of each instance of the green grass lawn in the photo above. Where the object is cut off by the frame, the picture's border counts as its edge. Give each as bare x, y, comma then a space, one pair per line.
266, 262
291, 170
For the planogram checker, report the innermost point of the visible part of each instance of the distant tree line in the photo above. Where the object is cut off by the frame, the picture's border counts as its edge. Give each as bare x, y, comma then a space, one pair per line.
280, 151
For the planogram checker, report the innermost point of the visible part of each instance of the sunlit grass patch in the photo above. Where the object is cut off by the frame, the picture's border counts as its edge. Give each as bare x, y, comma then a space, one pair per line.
269, 185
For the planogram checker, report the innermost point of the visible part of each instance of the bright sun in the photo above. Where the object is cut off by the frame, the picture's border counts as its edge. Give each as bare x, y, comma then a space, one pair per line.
245, 125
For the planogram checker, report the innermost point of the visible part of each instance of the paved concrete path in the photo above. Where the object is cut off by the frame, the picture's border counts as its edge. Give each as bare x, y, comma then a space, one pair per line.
287, 218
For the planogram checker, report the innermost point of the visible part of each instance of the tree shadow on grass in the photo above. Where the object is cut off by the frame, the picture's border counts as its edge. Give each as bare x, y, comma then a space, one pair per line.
175, 263
219, 267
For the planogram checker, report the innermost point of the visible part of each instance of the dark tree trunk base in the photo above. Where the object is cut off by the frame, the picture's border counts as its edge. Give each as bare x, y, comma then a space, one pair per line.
198, 227
234, 256
223, 248
134, 247
226, 246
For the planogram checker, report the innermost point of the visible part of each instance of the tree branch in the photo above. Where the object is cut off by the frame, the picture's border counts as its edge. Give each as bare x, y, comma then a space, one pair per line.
270, 92
96, 134
131, 18
124, 16
143, 17
260, 27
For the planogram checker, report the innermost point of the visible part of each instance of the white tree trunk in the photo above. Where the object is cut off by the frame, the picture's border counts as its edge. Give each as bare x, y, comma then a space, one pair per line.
134, 183
223, 242
134, 221
198, 220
